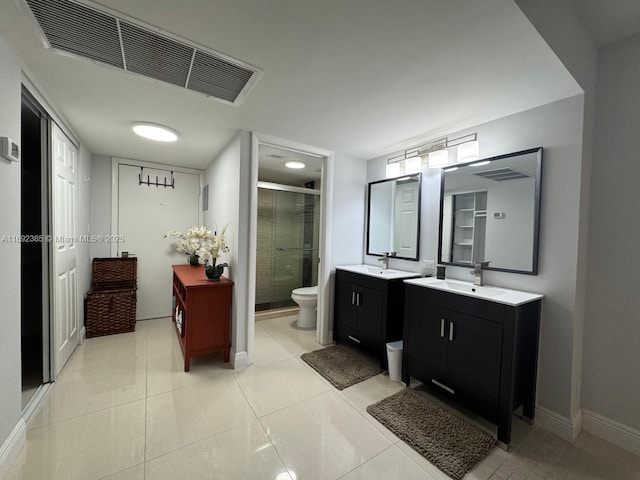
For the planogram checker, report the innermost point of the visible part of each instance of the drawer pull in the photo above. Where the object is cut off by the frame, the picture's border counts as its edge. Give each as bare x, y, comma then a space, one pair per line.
442, 327
442, 386
353, 338
451, 332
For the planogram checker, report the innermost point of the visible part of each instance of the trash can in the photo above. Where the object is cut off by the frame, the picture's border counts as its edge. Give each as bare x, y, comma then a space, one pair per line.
394, 356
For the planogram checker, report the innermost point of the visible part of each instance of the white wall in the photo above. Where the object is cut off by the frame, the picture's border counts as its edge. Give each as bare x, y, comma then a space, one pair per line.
100, 203
229, 192
612, 327
558, 128
10, 391
349, 210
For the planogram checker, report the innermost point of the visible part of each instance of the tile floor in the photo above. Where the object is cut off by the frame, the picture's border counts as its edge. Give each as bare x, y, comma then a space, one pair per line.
123, 409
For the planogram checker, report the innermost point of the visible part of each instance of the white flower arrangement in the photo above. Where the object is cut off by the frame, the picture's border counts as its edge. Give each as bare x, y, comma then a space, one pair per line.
202, 242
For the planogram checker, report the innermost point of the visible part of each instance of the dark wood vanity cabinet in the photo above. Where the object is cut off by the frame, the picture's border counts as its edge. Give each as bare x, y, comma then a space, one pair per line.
368, 312
482, 354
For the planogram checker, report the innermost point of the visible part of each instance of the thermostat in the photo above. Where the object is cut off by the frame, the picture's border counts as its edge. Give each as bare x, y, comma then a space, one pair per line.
10, 150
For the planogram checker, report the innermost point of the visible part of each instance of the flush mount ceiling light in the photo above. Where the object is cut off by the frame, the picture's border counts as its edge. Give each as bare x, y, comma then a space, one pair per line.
295, 164
154, 131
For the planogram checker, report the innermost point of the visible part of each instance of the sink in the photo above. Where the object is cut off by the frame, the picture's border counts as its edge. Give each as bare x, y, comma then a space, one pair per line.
482, 291
505, 296
378, 272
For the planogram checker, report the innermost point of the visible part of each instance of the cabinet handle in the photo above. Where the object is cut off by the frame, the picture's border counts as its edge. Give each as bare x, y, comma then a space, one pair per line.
357, 299
353, 298
353, 338
451, 331
442, 386
442, 327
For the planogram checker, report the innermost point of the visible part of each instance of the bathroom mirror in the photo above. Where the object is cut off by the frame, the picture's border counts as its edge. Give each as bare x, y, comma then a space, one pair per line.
490, 212
393, 219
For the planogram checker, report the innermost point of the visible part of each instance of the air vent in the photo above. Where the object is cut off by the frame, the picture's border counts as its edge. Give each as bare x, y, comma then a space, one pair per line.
501, 174
78, 29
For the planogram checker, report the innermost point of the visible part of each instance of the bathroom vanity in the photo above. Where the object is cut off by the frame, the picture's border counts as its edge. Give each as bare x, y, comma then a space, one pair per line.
369, 307
477, 345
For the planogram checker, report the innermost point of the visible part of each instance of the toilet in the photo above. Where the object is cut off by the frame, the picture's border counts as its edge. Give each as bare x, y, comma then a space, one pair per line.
307, 299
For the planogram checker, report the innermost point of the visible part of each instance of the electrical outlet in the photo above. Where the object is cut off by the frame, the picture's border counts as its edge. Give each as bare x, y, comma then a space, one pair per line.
430, 264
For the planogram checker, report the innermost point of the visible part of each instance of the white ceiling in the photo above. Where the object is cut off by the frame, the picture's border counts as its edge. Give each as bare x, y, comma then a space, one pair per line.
361, 78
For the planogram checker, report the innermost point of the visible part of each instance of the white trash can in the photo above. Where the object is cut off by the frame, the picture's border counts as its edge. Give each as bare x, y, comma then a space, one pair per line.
394, 356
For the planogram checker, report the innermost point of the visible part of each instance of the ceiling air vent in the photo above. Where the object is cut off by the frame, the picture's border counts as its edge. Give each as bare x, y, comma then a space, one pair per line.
82, 30
501, 174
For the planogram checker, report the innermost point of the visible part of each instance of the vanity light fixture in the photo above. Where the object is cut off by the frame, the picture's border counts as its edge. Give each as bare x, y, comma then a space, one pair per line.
154, 131
413, 164
439, 158
436, 153
468, 151
393, 169
295, 164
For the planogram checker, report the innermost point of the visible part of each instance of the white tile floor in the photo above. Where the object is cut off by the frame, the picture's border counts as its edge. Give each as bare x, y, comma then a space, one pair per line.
123, 409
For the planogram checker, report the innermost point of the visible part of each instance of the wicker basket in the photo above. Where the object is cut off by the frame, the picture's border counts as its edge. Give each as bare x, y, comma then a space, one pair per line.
110, 311
112, 273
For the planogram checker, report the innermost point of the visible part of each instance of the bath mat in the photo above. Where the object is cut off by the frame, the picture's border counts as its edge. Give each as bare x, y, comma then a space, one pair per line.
339, 366
446, 440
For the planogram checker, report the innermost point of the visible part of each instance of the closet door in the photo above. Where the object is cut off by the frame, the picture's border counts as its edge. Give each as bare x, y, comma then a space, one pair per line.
65, 251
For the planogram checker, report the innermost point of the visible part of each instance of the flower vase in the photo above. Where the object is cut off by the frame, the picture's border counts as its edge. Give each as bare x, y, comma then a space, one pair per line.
194, 260
214, 272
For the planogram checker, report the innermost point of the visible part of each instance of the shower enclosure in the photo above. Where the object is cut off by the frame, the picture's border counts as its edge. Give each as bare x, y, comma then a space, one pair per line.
287, 250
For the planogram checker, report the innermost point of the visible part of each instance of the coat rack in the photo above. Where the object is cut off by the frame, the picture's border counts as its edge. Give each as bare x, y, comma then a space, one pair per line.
157, 183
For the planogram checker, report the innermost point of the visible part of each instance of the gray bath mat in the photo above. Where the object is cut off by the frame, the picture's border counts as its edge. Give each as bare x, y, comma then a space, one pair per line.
446, 440
339, 366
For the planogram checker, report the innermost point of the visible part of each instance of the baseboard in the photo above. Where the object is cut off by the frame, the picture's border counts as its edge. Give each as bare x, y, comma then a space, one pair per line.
564, 427
239, 359
32, 408
612, 431
12, 446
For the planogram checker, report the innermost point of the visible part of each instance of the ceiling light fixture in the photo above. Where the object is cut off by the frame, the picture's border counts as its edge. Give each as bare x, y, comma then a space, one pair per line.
154, 131
295, 164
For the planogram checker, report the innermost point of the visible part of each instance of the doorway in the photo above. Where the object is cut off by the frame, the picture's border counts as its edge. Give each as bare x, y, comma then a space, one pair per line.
261, 143
34, 250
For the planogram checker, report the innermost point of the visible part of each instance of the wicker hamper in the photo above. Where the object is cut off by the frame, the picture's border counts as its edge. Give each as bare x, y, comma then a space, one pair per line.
114, 272
110, 311
110, 305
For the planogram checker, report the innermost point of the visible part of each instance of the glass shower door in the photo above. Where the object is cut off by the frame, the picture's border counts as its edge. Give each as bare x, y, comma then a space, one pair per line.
288, 233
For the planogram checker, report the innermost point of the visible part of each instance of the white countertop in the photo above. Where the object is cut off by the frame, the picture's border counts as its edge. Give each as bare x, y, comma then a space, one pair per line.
486, 292
378, 272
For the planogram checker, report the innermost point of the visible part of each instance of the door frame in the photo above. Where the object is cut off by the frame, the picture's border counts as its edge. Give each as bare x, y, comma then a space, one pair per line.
115, 195
323, 335
48, 373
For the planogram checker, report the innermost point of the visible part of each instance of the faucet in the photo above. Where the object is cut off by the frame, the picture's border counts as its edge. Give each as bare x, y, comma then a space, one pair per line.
477, 272
385, 259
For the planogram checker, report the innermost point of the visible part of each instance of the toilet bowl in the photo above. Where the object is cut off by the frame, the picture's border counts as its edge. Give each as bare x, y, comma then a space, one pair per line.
307, 299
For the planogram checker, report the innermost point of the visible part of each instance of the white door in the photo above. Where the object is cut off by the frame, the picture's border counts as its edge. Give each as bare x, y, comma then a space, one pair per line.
65, 254
145, 214
406, 221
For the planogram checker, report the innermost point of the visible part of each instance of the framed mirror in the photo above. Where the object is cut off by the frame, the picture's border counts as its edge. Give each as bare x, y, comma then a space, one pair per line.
393, 217
490, 212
